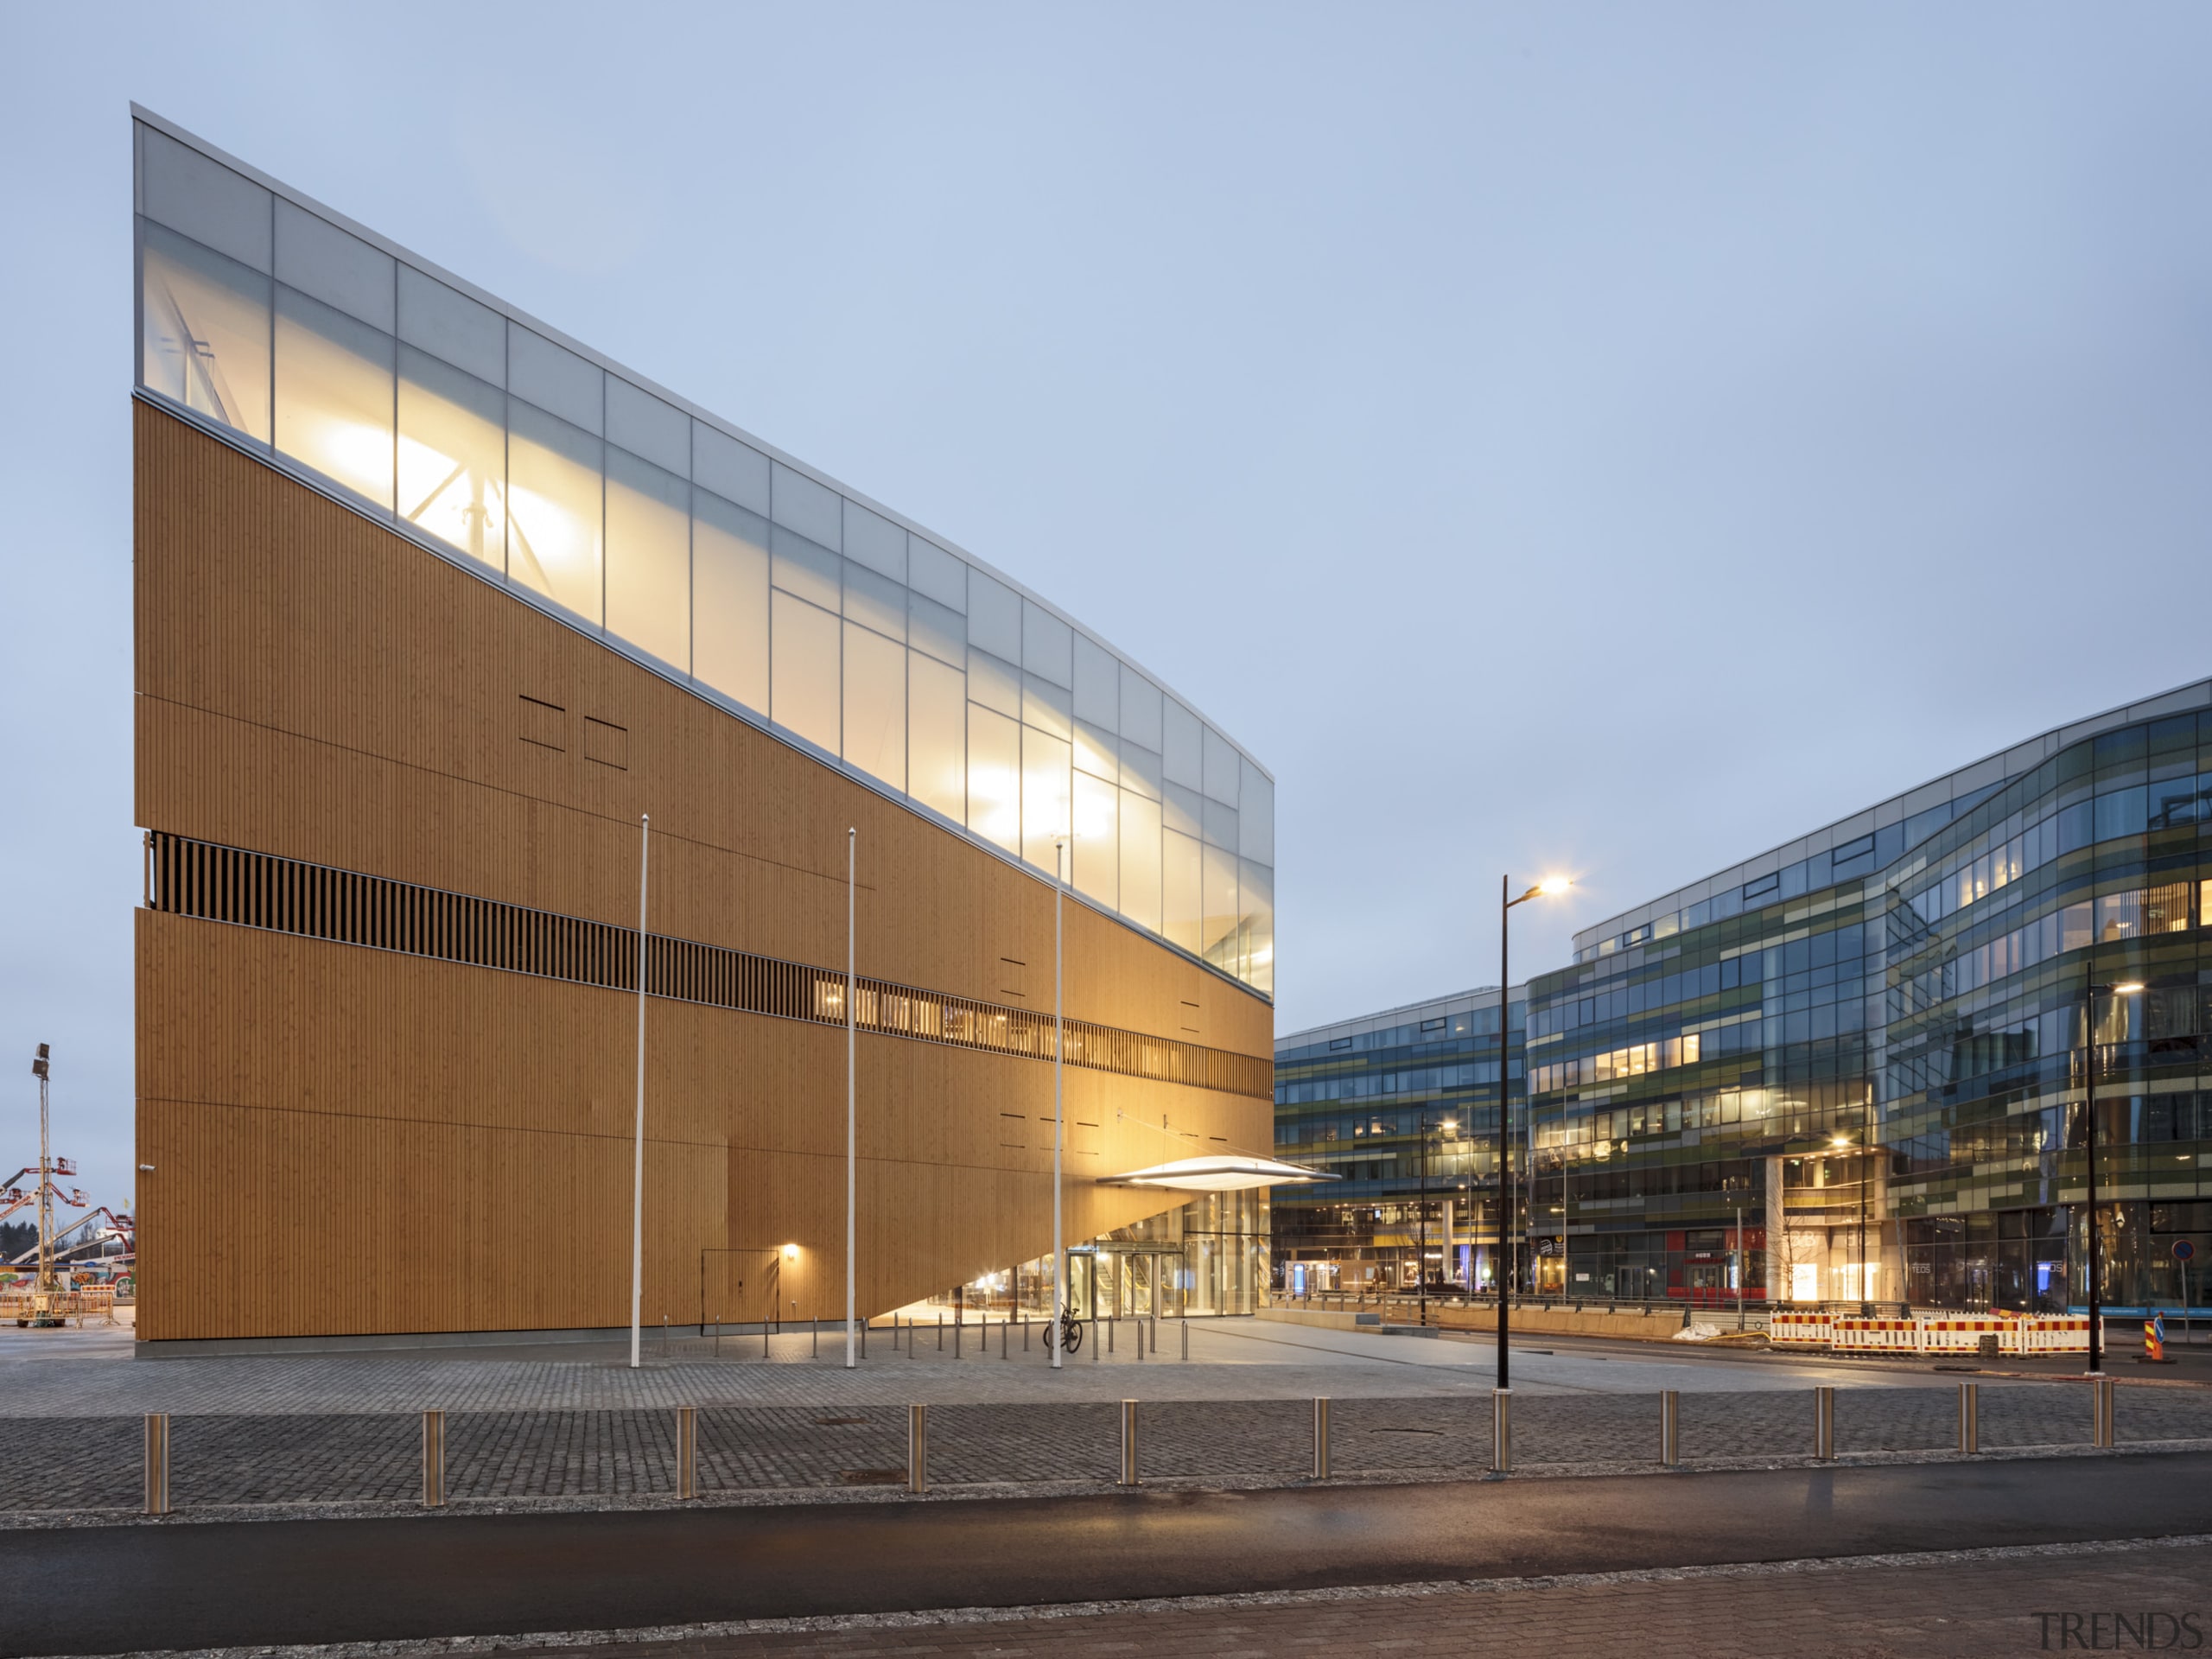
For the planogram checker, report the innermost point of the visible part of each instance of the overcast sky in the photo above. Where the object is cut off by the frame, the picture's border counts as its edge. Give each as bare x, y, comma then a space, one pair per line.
1607, 438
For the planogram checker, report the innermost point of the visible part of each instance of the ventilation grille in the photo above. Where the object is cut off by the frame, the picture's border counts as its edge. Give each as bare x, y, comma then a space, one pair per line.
226, 884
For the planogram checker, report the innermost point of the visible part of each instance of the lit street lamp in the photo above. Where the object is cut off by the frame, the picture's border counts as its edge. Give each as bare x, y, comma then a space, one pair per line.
2125, 988
1551, 885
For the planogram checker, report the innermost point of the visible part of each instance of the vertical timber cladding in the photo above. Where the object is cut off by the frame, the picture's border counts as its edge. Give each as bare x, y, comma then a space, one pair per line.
351, 1141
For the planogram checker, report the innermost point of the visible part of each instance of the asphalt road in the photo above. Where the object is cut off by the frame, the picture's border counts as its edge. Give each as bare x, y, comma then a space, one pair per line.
312, 1581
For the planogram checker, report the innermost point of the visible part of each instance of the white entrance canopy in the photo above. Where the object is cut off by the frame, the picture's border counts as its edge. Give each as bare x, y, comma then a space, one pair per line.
1219, 1174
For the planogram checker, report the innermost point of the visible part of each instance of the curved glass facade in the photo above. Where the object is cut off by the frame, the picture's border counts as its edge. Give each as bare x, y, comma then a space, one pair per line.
1876, 1041
678, 539
1852, 1069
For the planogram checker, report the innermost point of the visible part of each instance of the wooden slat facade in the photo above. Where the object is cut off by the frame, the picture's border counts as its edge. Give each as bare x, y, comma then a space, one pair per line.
351, 1140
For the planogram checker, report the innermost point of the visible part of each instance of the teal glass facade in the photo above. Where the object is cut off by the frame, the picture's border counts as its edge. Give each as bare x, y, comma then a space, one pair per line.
1854, 1068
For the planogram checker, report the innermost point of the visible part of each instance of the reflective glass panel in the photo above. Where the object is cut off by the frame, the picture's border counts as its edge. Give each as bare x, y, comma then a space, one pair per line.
729, 591
1139, 828
1181, 916
994, 777
1097, 840
803, 657
554, 510
207, 333
648, 558
452, 457
334, 396
936, 736
1044, 805
875, 705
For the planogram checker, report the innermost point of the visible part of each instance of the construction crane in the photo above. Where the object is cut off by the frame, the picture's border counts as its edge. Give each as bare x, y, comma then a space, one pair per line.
48, 1301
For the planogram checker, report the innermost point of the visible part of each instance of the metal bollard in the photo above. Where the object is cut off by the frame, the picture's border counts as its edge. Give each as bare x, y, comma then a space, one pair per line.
1321, 1437
433, 1460
1140, 1338
687, 1452
1186, 1338
1670, 1428
1024, 1334
1094, 1341
940, 1333
863, 1338
1824, 1425
815, 1326
959, 1329
1501, 1431
1004, 1339
917, 1449
1112, 1326
157, 1463
764, 1336
2101, 1400
1969, 1418
1128, 1444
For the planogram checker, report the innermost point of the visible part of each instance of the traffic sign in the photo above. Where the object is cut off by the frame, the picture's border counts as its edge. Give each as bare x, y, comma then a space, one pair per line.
2183, 1249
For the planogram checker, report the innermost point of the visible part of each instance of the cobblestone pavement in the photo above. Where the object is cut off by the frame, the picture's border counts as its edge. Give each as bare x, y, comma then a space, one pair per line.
75, 1374
233, 1459
1960, 1604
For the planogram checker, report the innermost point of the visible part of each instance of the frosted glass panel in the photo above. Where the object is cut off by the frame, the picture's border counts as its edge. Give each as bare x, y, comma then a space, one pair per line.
994, 777
1257, 901
729, 587
648, 558
936, 736
804, 659
1219, 919
1181, 915
207, 333
875, 705
334, 395
1097, 840
554, 510
1045, 811
1140, 898
452, 457
1096, 752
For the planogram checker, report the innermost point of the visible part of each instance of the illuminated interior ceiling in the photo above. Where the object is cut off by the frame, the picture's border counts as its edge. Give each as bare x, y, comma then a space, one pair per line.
1219, 1174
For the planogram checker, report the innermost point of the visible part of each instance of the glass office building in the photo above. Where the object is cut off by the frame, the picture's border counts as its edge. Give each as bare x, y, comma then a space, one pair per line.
696, 548
1401, 1106
1855, 1067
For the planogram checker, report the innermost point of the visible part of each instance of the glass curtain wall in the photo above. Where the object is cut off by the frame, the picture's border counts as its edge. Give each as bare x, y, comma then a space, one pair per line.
422, 405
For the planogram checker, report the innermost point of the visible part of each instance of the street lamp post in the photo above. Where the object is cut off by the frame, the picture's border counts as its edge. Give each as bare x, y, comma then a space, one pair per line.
2125, 988
1506, 903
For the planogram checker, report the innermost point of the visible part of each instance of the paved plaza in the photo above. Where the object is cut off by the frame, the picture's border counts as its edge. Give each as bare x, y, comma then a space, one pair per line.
575, 1423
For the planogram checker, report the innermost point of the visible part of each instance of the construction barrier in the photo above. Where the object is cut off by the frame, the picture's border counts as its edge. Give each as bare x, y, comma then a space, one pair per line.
2055, 1335
1964, 1335
1799, 1327
1876, 1337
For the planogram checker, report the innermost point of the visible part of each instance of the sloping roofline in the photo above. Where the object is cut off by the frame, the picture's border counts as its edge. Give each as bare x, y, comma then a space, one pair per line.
601, 360
1984, 776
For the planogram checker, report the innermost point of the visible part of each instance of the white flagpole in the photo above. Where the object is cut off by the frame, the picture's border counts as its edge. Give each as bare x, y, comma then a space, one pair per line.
852, 1141
637, 1159
1060, 1256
